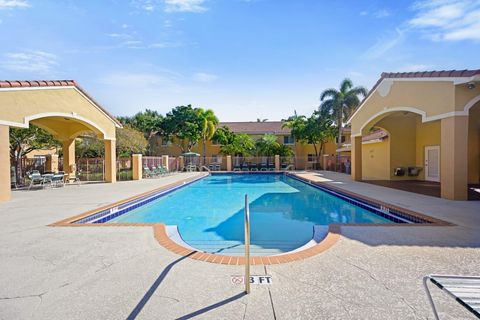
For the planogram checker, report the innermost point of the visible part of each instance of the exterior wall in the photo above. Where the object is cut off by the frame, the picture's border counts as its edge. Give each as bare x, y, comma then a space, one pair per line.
427, 134
405, 147
402, 136
42, 152
474, 145
17, 105
301, 150
430, 97
376, 160
463, 95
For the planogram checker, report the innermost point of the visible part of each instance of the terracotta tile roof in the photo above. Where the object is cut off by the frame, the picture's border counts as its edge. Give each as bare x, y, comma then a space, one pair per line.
431, 74
53, 83
422, 74
274, 127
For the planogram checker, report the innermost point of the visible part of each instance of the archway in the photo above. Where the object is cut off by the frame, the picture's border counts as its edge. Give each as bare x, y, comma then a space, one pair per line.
474, 150
442, 102
63, 109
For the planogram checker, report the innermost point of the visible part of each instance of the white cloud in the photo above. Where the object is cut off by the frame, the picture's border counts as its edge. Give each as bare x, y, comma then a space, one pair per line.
11, 4
448, 20
30, 61
185, 6
384, 45
414, 68
147, 5
119, 35
204, 77
165, 45
382, 13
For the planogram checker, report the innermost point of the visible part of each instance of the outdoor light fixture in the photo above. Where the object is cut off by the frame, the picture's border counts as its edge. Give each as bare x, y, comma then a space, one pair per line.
471, 85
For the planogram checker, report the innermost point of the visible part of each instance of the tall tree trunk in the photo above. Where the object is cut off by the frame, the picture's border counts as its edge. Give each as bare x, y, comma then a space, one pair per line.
316, 154
322, 144
339, 142
204, 151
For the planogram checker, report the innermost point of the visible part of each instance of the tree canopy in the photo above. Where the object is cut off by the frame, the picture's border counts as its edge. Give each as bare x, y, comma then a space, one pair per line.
147, 122
183, 126
209, 126
23, 141
341, 103
130, 141
316, 130
232, 143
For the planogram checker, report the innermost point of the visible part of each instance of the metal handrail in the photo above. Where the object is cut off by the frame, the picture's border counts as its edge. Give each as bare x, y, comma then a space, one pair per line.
247, 246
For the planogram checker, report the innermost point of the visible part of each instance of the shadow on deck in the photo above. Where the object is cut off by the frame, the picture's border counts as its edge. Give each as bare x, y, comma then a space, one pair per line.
428, 188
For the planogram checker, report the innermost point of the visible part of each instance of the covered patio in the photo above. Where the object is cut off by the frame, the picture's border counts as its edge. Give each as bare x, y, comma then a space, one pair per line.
433, 125
63, 109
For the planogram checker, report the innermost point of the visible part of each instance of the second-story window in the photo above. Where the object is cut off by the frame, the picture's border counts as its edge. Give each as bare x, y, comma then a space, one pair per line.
288, 140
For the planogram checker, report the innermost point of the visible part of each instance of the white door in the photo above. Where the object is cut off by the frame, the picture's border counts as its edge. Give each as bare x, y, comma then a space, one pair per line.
432, 163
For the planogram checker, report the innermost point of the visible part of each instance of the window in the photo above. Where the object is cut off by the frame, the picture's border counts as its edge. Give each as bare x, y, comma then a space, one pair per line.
311, 157
215, 142
344, 138
165, 142
288, 140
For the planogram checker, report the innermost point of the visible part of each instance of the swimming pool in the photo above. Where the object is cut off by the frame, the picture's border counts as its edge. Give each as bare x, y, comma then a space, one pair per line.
284, 211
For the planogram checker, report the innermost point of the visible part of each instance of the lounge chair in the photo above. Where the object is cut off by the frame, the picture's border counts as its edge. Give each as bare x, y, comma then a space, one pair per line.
36, 179
264, 164
253, 166
236, 166
245, 166
147, 173
271, 166
58, 179
464, 289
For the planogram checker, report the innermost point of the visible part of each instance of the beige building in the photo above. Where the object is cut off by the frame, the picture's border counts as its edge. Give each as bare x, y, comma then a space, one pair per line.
432, 120
304, 153
62, 108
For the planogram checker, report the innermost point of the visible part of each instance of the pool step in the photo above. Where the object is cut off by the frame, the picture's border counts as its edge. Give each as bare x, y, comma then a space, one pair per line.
235, 248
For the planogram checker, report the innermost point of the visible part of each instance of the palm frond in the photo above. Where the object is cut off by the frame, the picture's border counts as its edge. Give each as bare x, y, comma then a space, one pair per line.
346, 85
329, 93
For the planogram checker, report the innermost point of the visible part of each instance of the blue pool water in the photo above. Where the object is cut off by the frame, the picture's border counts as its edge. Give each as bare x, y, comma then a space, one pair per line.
283, 211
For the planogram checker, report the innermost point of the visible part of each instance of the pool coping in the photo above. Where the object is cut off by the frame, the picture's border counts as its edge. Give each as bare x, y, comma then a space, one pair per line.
332, 236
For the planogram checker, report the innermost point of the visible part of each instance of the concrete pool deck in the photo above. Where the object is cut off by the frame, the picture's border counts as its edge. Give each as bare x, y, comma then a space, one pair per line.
122, 272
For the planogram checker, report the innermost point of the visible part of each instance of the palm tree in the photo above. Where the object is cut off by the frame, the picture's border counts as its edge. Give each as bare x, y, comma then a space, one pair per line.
209, 125
267, 145
341, 103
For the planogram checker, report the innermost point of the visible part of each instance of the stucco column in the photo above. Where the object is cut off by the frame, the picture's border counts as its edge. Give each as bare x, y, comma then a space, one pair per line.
357, 158
5, 192
229, 163
181, 163
68, 148
110, 161
165, 162
137, 169
453, 158
277, 162
51, 164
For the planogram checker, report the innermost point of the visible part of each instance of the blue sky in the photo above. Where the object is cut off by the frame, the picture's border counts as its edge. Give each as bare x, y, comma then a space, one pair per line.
246, 59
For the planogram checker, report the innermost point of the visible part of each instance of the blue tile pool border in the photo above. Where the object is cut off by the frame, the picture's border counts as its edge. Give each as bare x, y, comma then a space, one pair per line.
392, 214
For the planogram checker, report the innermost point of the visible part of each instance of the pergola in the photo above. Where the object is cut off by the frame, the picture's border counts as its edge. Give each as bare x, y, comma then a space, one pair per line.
60, 107
433, 122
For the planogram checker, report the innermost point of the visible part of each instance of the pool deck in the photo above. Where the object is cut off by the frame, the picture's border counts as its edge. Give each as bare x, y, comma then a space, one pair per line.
122, 272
